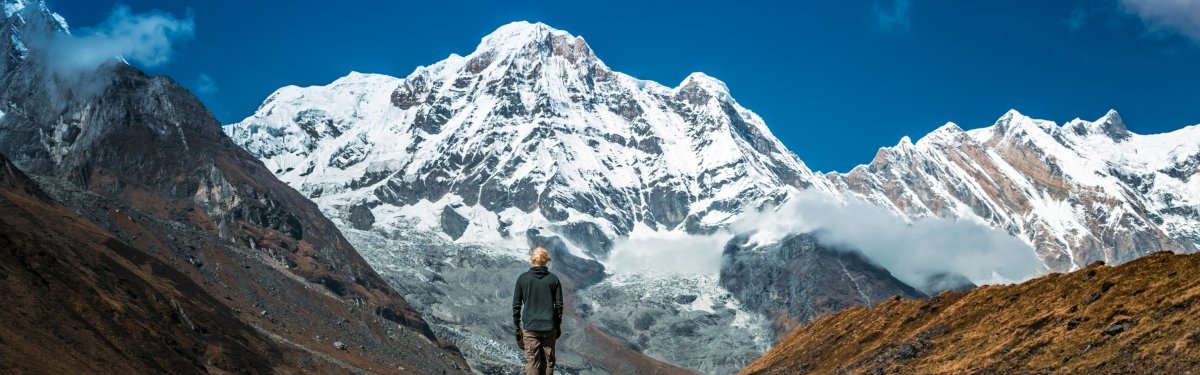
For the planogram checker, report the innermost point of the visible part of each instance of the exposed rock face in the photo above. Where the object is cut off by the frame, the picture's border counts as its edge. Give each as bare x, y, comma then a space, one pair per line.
142, 158
1079, 192
453, 223
1139, 317
584, 271
361, 217
797, 279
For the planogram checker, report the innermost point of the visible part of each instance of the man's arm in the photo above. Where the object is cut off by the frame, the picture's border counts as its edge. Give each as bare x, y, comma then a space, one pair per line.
558, 308
518, 299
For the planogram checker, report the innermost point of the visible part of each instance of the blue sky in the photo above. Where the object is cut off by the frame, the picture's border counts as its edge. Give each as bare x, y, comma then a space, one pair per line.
834, 80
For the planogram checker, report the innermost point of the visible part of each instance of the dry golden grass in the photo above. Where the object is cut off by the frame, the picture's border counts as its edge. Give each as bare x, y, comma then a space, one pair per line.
1139, 317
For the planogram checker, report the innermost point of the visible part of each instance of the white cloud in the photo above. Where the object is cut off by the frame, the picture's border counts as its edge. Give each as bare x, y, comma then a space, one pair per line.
1176, 16
145, 39
892, 15
205, 85
912, 252
667, 252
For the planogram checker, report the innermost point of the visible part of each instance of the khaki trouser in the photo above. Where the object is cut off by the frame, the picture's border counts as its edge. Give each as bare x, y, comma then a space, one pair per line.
539, 352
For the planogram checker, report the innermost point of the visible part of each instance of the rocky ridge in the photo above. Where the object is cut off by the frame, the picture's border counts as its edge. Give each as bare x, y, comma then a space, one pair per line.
1077, 192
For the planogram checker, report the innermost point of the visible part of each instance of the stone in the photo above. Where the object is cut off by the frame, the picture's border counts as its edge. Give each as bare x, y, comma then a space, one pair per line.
1116, 328
361, 217
453, 223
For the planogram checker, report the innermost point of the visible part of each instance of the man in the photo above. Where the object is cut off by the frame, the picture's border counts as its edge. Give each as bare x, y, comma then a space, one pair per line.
540, 293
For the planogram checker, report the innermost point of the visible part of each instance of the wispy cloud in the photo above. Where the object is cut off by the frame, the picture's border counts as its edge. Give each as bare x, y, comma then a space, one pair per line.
1077, 18
647, 250
892, 15
913, 252
146, 39
1173, 16
205, 85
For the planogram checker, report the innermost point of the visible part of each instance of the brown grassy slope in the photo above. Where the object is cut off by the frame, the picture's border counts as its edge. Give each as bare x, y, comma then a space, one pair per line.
1142, 316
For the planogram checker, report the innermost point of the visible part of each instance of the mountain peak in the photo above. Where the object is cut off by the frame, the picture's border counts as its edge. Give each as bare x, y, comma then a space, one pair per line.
356, 76
1011, 114
523, 34
38, 9
704, 81
12, 7
1113, 125
1009, 121
948, 134
1110, 125
521, 31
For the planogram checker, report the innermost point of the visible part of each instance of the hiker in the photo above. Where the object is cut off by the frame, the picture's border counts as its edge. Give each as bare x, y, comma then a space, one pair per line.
540, 293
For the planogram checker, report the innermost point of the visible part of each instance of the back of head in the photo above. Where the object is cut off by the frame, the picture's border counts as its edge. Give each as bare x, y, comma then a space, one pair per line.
539, 257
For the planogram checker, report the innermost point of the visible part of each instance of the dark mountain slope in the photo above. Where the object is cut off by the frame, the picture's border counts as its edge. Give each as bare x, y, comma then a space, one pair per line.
78, 300
143, 159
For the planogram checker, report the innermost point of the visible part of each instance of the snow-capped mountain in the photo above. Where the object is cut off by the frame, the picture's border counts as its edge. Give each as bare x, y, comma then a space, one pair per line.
532, 130
529, 130
443, 178
531, 139
1080, 192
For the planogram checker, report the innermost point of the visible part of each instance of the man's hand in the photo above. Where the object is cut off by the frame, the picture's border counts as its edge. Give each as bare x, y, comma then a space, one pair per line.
520, 342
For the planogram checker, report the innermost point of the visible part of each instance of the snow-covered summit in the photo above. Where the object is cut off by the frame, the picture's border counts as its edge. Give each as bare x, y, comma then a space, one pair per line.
530, 130
519, 43
21, 8
1111, 125
26, 21
518, 35
704, 81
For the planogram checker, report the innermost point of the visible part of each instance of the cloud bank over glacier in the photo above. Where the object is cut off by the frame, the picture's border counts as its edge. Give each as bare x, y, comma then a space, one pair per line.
913, 252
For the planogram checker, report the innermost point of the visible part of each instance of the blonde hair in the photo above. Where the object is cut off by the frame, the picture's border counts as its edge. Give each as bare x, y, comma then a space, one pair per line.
539, 256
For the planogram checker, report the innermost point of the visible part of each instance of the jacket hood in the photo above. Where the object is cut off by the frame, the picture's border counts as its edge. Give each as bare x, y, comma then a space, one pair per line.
539, 272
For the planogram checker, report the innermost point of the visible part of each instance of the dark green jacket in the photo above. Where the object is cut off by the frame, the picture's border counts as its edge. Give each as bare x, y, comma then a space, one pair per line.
541, 294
